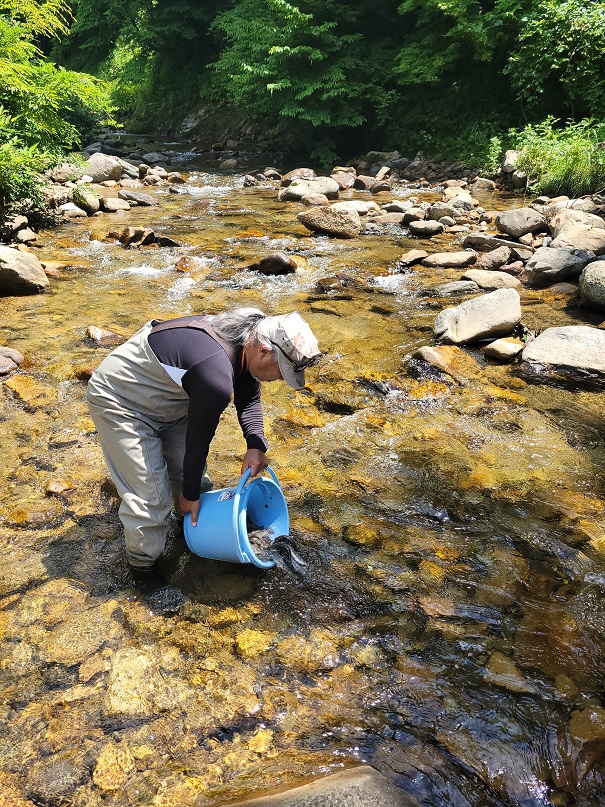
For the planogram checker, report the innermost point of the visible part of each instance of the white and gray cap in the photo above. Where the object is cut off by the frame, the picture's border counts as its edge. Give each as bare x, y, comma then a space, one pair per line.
294, 343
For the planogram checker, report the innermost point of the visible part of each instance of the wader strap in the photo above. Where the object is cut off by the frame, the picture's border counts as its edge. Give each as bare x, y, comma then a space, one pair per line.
199, 325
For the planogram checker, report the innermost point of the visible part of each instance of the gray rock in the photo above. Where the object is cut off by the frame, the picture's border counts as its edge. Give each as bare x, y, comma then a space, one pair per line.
492, 280
298, 188
493, 260
440, 209
482, 184
592, 285
65, 173
550, 265
488, 316
397, 206
388, 218
101, 167
154, 157
570, 347
453, 260
356, 787
315, 199
339, 223
143, 199
358, 205
86, 199
21, 273
25, 236
510, 161
112, 205
520, 221
484, 243
345, 179
425, 229
296, 173
12, 354
457, 287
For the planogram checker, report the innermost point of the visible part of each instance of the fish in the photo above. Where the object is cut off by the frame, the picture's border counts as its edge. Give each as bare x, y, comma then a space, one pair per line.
282, 550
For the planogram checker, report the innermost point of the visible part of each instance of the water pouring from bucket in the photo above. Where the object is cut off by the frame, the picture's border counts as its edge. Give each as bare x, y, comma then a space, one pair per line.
230, 517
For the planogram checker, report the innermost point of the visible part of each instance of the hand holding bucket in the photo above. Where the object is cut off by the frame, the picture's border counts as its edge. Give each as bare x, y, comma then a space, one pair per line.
221, 532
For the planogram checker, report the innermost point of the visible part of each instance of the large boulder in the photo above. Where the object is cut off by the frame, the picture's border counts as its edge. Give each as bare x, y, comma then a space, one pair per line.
21, 273
100, 167
576, 347
86, 199
339, 223
575, 229
520, 221
550, 265
485, 317
592, 285
298, 188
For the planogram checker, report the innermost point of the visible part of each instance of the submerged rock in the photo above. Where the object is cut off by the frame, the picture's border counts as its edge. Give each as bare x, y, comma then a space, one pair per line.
357, 787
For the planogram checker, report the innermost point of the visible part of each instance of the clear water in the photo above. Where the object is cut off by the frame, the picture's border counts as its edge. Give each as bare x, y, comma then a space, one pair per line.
450, 627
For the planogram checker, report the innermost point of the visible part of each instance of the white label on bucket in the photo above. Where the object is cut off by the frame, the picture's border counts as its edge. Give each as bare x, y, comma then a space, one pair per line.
228, 494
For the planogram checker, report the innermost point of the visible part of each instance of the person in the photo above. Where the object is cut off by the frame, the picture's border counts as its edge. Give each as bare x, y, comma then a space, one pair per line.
156, 401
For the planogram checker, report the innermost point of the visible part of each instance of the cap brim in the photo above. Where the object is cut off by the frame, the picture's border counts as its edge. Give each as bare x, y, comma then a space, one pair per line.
295, 379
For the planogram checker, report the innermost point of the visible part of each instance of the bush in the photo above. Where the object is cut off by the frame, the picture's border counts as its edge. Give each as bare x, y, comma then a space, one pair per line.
562, 160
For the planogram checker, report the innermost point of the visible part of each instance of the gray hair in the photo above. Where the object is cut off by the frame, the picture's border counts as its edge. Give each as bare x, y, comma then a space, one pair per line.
239, 325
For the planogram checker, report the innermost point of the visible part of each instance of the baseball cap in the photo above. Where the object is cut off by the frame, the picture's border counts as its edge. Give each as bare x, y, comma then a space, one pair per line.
294, 343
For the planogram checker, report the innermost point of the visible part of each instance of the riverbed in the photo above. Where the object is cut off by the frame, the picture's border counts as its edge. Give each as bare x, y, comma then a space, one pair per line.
449, 630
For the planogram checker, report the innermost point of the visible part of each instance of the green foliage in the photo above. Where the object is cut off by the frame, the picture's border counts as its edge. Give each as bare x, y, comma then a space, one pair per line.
563, 160
37, 99
303, 63
560, 56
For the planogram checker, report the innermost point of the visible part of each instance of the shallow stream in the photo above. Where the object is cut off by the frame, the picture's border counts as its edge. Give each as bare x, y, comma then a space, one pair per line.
451, 627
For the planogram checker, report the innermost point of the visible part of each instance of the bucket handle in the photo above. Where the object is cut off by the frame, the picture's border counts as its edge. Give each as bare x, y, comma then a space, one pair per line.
236, 497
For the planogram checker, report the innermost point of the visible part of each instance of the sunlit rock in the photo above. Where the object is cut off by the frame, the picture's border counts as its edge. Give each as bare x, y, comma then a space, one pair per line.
491, 315
356, 787
114, 764
453, 260
574, 347
21, 273
36, 513
104, 337
492, 280
135, 687
592, 285
451, 360
338, 223
318, 652
298, 188
101, 166
251, 643
80, 635
504, 349
550, 265
31, 392
520, 221
502, 671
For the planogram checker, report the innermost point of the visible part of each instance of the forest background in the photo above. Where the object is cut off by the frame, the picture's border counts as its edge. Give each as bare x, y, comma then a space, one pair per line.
454, 79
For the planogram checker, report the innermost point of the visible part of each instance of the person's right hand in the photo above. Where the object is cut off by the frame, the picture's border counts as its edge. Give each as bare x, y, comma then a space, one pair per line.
186, 506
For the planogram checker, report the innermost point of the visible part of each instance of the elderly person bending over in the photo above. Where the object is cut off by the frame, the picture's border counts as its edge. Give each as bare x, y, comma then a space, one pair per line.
156, 402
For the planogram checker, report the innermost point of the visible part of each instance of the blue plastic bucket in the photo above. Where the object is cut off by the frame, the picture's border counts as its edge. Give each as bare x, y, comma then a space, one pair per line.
221, 532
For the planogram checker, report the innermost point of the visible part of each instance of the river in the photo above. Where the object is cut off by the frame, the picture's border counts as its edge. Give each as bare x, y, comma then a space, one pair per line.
450, 629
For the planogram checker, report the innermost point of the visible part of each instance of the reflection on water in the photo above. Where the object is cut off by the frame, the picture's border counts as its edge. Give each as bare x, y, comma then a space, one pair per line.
449, 629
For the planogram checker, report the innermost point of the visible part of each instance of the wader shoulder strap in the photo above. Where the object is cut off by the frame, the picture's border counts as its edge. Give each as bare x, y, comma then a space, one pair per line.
198, 325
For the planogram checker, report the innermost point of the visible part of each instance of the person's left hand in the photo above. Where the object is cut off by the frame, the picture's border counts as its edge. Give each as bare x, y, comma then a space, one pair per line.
256, 460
